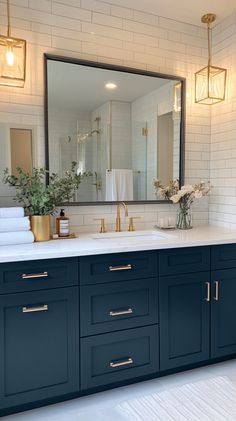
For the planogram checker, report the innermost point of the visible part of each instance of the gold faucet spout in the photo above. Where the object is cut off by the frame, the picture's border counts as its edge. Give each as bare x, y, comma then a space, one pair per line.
118, 223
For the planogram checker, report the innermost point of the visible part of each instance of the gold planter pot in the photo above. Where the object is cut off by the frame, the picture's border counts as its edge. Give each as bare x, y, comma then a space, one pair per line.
40, 225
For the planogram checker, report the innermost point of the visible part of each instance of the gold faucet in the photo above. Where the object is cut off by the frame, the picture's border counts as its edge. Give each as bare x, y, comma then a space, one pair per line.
118, 224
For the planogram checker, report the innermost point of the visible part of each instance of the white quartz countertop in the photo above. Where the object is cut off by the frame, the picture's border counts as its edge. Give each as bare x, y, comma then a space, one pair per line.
88, 244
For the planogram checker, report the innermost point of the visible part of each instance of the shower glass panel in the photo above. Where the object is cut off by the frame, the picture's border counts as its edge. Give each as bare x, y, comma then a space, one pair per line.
139, 159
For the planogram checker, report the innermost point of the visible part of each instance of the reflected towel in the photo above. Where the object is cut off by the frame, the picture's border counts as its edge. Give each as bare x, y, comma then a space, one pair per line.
14, 224
119, 185
11, 212
20, 237
122, 184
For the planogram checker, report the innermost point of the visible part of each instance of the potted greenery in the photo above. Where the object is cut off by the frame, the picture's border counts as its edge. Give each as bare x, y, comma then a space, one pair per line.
40, 200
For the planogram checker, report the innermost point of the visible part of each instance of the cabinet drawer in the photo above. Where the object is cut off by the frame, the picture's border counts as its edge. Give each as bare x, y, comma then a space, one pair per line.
118, 356
223, 256
184, 260
118, 267
117, 306
38, 274
38, 345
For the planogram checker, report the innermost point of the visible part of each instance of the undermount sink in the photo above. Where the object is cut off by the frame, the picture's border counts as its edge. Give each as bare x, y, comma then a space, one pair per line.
133, 235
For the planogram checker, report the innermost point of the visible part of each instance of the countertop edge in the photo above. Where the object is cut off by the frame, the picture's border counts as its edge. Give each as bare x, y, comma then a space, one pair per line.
86, 246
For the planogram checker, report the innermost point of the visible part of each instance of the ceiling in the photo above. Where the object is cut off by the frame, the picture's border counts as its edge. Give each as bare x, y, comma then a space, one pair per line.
189, 11
82, 88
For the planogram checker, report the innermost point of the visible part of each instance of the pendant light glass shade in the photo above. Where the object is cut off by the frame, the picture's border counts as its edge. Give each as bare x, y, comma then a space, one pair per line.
12, 58
210, 82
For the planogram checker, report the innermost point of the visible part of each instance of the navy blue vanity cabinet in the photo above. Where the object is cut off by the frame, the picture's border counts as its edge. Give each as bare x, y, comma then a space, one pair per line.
35, 275
118, 267
223, 299
223, 316
184, 308
117, 306
39, 344
119, 356
119, 318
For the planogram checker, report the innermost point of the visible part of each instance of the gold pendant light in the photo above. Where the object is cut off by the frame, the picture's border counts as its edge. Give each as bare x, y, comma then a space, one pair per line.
12, 57
210, 82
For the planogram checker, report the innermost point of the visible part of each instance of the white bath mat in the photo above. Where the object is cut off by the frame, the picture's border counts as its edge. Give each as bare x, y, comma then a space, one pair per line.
209, 400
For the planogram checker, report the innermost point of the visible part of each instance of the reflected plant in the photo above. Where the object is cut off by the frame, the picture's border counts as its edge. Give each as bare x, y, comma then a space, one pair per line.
36, 197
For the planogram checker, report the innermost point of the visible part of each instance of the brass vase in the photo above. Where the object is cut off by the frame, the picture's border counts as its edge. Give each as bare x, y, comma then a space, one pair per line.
40, 225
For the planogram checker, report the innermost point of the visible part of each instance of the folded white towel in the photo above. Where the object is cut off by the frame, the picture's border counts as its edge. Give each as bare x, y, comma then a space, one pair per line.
14, 224
20, 237
11, 212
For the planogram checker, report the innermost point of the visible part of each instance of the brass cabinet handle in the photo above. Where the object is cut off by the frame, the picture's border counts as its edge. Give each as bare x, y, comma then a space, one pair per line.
34, 275
208, 297
121, 312
125, 267
115, 364
216, 297
34, 309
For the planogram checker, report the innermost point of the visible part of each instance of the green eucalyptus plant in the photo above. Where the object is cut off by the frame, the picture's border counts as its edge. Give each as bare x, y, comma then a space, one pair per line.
36, 197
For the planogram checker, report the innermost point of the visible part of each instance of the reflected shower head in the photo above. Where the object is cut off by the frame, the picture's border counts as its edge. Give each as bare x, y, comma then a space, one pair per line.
84, 136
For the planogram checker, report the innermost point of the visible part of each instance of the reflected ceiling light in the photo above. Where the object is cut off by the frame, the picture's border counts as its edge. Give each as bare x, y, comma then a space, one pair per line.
210, 82
12, 57
111, 85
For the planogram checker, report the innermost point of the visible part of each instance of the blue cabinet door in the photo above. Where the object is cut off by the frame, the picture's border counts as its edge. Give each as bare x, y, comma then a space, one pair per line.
184, 319
223, 318
39, 345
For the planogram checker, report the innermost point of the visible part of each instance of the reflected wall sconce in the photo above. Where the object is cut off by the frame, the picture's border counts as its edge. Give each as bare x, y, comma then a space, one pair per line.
210, 82
12, 57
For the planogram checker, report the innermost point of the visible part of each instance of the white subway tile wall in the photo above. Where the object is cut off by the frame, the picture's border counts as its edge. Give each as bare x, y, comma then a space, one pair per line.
98, 31
223, 130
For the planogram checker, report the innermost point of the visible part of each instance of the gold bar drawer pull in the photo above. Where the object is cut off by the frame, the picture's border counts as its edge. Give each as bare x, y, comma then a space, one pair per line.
208, 297
34, 309
121, 312
125, 267
216, 297
34, 275
115, 364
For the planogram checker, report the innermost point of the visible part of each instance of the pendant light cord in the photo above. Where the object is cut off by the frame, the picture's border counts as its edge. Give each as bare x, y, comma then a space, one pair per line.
8, 19
209, 43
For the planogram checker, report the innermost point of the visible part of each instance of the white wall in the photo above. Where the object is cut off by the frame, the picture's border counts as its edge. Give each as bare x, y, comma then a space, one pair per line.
97, 31
223, 130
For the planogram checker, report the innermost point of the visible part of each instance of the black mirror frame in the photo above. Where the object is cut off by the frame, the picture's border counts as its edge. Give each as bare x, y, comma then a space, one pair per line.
70, 60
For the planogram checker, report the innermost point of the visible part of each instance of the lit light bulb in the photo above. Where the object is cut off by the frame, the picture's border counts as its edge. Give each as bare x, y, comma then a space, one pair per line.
10, 57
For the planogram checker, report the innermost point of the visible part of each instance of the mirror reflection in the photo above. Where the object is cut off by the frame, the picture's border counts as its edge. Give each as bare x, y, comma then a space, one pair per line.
123, 127
17, 150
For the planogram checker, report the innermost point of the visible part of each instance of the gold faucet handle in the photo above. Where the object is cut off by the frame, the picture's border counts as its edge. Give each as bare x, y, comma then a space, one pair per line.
131, 222
102, 226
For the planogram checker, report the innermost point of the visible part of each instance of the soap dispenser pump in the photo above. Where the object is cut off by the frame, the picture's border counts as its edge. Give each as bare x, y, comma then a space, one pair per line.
62, 225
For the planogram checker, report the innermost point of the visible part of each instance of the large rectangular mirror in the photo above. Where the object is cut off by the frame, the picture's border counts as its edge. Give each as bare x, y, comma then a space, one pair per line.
123, 125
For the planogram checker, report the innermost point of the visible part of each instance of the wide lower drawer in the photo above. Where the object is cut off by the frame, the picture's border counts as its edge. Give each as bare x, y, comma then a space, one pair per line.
119, 356
38, 274
117, 267
117, 306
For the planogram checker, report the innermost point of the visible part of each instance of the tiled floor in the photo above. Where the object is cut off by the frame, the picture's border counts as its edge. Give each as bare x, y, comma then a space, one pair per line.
109, 405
